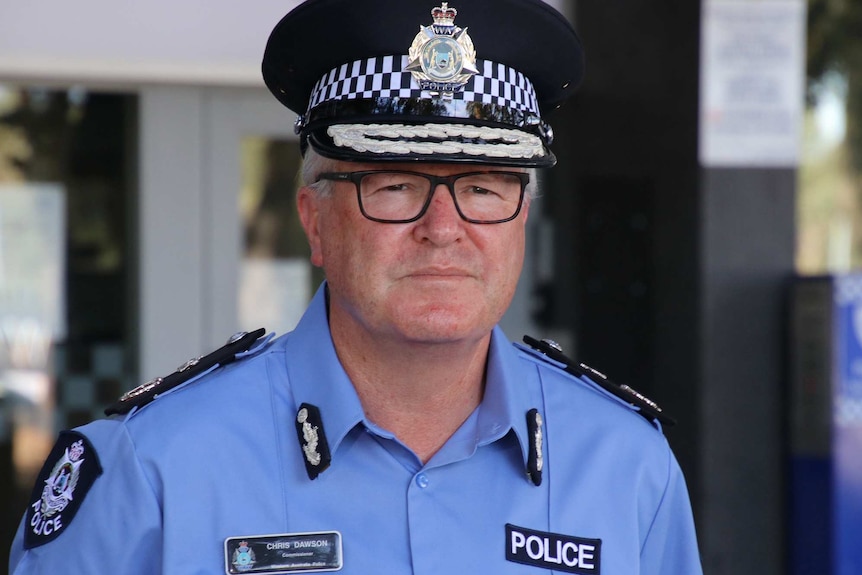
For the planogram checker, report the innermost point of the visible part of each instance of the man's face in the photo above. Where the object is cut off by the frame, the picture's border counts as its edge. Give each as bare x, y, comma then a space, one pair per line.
439, 279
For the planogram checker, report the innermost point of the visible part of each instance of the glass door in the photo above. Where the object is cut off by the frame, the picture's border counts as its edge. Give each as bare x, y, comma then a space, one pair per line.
68, 329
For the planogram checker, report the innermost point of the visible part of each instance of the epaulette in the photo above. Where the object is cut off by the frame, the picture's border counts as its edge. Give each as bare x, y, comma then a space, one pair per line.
147, 392
645, 406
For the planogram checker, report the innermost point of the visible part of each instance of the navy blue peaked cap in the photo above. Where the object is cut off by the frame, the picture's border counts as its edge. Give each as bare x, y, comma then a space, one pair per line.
397, 80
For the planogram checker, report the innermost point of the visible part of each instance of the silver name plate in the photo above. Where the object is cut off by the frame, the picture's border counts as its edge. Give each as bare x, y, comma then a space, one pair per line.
284, 553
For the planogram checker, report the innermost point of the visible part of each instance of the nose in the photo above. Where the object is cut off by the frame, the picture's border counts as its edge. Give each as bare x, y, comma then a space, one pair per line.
441, 223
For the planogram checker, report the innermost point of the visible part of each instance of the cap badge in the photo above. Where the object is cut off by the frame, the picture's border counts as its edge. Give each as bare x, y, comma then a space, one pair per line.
442, 57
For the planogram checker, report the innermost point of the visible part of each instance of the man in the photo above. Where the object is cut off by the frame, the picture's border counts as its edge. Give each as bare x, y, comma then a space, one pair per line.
396, 430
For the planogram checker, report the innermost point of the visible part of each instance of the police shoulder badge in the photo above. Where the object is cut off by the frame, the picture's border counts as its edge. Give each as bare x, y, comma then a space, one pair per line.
442, 57
66, 477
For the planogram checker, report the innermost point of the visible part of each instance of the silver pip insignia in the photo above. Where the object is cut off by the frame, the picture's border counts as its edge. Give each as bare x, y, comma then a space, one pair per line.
535, 458
312, 440
309, 435
442, 57
537, 441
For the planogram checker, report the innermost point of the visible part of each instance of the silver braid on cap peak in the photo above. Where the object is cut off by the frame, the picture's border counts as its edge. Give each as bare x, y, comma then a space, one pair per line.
429, 139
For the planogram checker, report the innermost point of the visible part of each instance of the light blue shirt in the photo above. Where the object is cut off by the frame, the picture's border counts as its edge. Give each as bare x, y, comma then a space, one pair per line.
219, 458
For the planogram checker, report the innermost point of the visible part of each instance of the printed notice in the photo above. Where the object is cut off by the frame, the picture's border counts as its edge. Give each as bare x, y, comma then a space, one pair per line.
752, 83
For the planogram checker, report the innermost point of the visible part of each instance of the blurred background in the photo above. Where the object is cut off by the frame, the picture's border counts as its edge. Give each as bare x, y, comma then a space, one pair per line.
698, 239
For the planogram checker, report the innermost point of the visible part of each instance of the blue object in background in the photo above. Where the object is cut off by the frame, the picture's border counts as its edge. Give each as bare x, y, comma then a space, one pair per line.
847, 427
825, 495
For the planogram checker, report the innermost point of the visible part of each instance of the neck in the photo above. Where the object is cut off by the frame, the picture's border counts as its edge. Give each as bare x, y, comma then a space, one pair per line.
421, 392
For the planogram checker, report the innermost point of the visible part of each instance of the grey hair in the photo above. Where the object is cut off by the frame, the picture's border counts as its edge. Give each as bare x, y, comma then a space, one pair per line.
531, 192
313, 164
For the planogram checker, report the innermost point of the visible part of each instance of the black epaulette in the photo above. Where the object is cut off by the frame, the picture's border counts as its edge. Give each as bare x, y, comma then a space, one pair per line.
147, 392
646, 407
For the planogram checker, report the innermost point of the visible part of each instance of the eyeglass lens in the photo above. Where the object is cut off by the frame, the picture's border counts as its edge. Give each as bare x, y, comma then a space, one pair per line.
483, 197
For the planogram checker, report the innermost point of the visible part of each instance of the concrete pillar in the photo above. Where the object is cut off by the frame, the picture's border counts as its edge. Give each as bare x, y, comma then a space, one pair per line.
671, 276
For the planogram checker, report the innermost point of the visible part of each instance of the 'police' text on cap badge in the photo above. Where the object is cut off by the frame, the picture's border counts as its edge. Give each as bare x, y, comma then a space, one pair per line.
442, 57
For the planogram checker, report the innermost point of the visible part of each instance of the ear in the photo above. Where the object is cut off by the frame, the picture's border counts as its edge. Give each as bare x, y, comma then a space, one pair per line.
308, 207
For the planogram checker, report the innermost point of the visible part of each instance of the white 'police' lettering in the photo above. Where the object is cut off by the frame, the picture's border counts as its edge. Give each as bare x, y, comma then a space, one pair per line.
44, 526
553, 550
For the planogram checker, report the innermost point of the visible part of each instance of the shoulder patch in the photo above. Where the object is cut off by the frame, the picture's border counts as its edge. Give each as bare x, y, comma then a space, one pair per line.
70, 470
645, 406
147, 392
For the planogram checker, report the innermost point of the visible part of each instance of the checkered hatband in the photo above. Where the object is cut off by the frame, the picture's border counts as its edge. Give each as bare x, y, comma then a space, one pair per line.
375, 108
385, 77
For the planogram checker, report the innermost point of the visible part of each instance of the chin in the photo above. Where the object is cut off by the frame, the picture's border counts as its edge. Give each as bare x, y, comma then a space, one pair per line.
441, 324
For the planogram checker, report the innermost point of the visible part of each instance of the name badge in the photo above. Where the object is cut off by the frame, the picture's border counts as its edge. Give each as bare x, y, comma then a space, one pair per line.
284, 553
553, 551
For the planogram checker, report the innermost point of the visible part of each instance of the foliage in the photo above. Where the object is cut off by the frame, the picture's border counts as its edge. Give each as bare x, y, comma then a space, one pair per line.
835, 45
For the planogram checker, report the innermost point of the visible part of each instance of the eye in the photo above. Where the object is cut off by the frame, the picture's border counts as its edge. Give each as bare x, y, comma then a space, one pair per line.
478, 191
385, 182
399, 187
482, 185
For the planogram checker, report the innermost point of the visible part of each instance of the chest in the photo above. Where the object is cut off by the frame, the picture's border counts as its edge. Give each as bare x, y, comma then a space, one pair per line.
478, 515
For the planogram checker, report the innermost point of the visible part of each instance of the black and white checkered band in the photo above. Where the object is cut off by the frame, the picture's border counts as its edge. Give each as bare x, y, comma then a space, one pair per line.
384, 77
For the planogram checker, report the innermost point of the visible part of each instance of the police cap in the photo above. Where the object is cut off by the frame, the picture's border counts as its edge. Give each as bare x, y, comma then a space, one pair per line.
397, 80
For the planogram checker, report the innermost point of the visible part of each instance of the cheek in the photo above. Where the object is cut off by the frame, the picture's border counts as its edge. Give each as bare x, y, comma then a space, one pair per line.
348, 247
509, 261
336, 233
509, 252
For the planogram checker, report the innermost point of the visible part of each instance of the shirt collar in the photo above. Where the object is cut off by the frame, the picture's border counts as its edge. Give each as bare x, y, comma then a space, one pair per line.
507, 396
316, 374
317, 378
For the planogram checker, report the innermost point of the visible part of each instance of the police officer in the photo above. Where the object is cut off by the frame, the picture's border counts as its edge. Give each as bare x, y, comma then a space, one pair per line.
396, 430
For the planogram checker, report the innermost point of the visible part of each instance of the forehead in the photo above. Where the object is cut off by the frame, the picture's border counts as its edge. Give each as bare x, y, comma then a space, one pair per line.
423, 167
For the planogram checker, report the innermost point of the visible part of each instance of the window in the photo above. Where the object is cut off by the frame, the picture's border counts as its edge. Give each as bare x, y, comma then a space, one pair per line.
67, 305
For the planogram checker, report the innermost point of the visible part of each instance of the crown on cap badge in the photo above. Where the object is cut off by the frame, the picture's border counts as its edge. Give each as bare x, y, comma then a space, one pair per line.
442, 57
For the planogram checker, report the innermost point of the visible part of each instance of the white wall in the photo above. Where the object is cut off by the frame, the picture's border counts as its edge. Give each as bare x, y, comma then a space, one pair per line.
140, 41
187, 41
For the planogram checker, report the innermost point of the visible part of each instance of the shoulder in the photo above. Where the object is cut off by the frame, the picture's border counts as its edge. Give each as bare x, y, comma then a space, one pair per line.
172, 412
239, 352
118, 464
549, 359
592, 423
91, 463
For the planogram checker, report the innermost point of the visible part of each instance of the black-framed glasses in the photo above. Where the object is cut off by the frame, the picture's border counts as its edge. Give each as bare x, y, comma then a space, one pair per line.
397, 197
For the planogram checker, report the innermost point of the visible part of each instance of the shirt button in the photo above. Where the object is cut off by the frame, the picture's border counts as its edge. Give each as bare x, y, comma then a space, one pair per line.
422, 480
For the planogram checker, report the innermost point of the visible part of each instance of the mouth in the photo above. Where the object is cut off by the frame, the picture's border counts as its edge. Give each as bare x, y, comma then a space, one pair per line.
442, 274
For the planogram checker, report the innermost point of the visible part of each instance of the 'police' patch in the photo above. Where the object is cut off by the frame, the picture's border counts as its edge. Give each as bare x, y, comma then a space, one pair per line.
553, 551
65, 479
